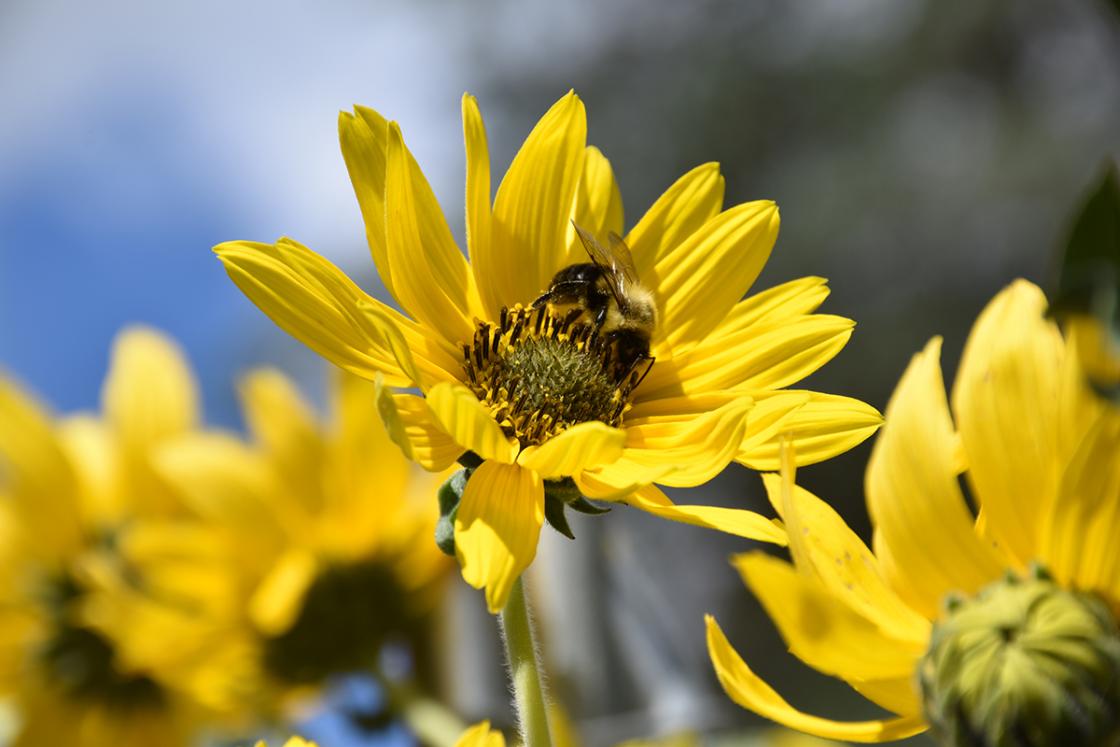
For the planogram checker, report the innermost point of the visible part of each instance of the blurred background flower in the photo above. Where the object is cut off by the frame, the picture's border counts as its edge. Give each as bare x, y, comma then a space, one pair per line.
922, 155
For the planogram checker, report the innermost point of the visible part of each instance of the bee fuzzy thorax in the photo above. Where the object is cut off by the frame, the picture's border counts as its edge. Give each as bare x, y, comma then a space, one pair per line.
541, 370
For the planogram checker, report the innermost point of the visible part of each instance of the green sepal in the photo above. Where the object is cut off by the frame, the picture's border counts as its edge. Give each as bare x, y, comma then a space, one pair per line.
554, 515
564, 490
585, 506
470, 460
450, 494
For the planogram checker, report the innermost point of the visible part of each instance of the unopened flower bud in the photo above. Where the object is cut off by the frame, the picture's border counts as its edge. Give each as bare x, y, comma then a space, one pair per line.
1025, 663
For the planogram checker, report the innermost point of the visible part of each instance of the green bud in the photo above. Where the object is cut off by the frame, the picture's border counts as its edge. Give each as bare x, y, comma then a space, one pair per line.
1024, 663
450, 493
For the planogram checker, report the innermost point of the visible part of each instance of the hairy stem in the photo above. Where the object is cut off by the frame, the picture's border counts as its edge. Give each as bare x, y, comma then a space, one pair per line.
524, 669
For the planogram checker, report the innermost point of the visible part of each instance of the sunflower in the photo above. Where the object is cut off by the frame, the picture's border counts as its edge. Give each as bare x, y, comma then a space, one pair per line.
309, 549
530, 397
481, 735
67, 489
988, 607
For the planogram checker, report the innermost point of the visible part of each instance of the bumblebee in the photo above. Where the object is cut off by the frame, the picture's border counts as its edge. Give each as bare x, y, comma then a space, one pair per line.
607, 289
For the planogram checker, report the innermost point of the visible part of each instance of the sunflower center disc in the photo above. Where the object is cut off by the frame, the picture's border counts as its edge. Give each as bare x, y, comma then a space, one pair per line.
348, 613
540, 373
82, 662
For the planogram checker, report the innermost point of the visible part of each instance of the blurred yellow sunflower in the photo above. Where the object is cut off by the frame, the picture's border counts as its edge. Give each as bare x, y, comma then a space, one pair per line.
292, 742
309, 549
481, 735
67, 489
533, 394
946, 624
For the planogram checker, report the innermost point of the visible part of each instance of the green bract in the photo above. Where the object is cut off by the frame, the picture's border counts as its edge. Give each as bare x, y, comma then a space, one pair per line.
1024, 663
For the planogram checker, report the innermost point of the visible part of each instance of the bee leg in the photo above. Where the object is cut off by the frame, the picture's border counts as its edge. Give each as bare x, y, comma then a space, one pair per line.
601, 316
645, 373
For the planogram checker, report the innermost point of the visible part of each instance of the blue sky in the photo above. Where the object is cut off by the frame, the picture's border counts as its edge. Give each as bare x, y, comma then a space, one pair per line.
137, 135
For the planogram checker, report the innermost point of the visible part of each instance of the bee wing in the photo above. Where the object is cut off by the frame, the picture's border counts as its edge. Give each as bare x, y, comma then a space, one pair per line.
607, 261
623, 260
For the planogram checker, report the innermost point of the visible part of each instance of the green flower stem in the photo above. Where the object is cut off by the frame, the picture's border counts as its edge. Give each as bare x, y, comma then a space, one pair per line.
433, 723
524, 669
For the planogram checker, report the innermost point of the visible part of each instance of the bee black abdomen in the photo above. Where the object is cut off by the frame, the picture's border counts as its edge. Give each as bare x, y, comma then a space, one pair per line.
579, 285
585, 272
571, 285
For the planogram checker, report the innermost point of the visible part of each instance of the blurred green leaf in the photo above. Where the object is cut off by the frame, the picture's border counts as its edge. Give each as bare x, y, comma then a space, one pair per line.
1089, 266
1086, 298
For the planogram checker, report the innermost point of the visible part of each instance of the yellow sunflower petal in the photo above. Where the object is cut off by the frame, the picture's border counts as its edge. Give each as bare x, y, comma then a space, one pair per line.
277, 414
895, 694
794, 298
366, 475
282, 422
687, 205
1078, 543
533, 203
150, 393
480, 735
765, 356
1080, 408
412, 427
32, 459
619, 478
105, 488
915, 500
430, 274
598, 204
497, 526
38, 477
820, 628
825, 548
676, 407
175, 554
767, 420
700, 280
751, 692
737, 521
459, 413
698, 448
478, 210
583, 446
219, 477
1006, 401
363, 136
820, 428
278, 599
312, 300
